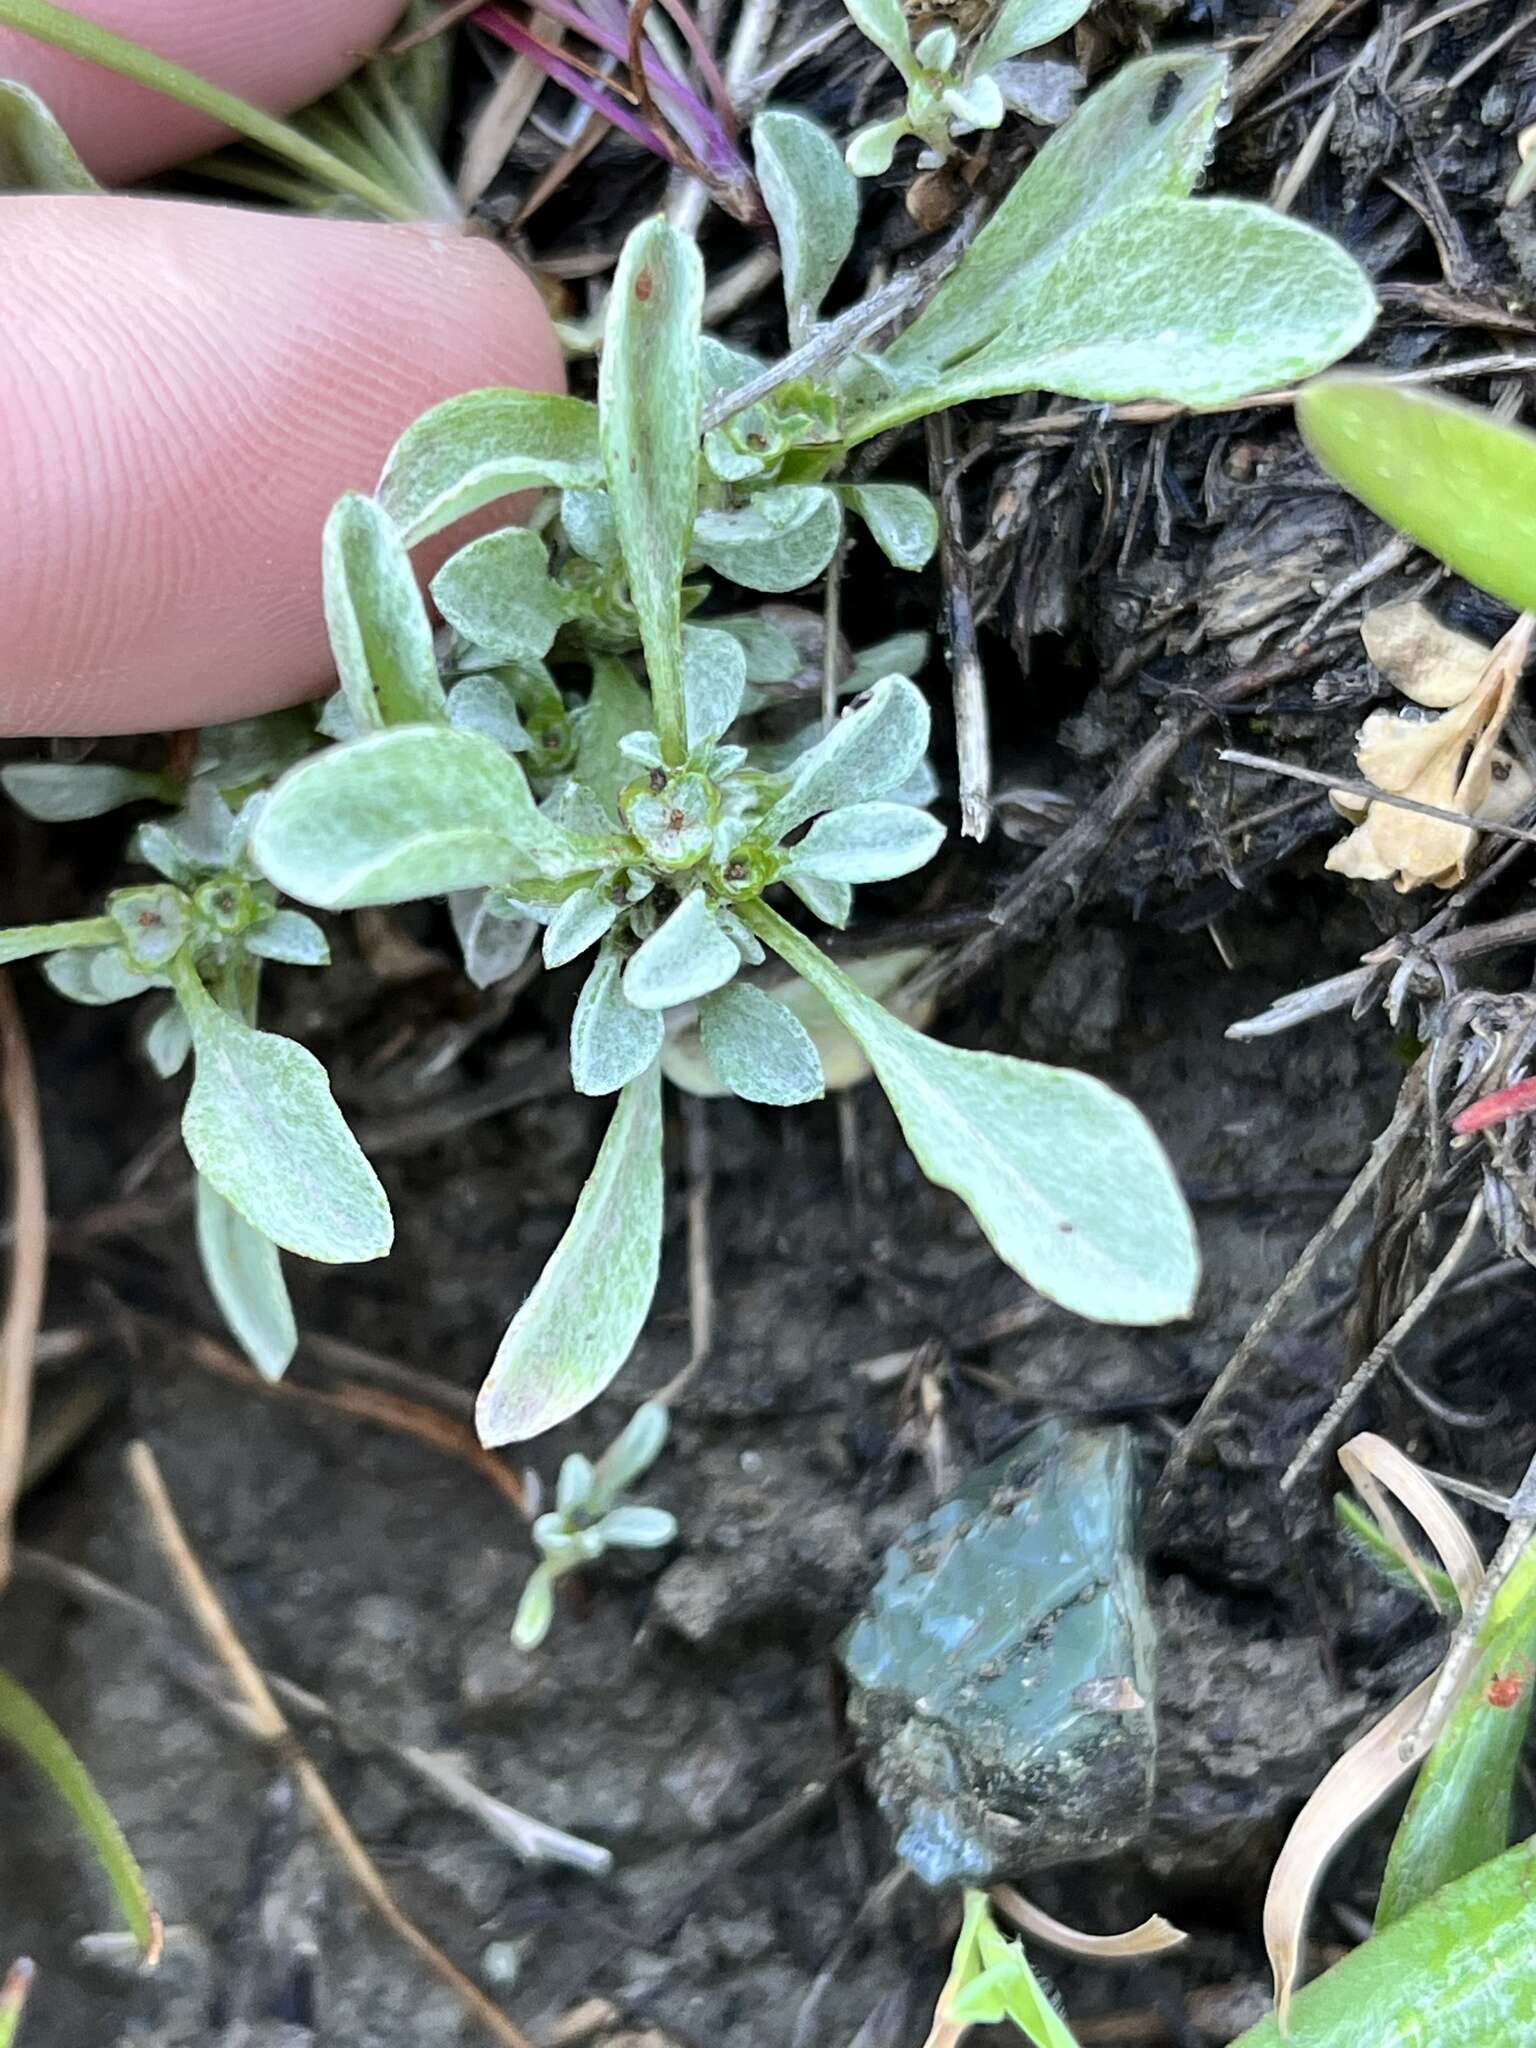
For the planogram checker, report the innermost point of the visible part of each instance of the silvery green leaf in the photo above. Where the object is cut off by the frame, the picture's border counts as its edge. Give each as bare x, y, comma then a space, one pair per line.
723, 368
684, 958
873, 747
1039, 88
832, 902
616, 707
873, 149
573, 1489
499, 594
290, 936
742, 937
587, 519
904, 654
535, 1610
868, 843
35, 153
486, 705
772, 657
474, 449
1024, 25
336, 721
1197, 301
203, 831
263, 1129
779, 540
611, 1041
381, 637
714, 678
94, 977
643, 748
637, 1528
648, 415
759, 1049
579, 1324
168, 1041
23, 941
884, 22
973, 106
155, 846
938, 49
1145, 134
576, 810
632, 1453
247, 750
401, 815
813, 202
920, 788
901, 518
582, 919
151, 921
1064, 1176
245, 1278
493, 946
61, 792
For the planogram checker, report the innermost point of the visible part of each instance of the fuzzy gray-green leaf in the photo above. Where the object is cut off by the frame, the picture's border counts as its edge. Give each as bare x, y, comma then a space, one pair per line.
582, 919
684, 958
648, 416
35, 153
402, 815
872, 842
579, 1323
493, 946
499, 594
24, 941
486, 704
884, 22
611, 1041
62, 792
759, 1048
168, 1041
291, 937
901, 518
245, 1277
263, 1129
714, 682
873, 748
779, 540
813, 201
1021, 25
380, 634
1064, 1176
482, 446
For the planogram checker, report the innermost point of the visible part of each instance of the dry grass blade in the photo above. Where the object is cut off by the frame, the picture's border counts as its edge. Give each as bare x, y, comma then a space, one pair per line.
29, 1259
1372, 1767
208, 1611
1153, 1937
500, 121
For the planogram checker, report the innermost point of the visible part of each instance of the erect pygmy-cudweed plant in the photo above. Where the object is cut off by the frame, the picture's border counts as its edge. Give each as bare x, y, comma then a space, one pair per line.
523, 769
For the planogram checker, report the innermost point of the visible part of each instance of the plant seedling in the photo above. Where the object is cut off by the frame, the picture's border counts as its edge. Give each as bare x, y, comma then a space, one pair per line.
590, 1517
990, 1983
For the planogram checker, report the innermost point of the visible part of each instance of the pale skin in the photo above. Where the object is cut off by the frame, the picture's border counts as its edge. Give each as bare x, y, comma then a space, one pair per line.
185, 389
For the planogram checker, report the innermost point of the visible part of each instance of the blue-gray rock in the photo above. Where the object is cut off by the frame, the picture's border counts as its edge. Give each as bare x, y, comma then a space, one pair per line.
1002, 1672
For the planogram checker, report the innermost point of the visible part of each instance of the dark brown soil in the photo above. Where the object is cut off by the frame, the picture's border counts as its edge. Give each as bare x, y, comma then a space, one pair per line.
1136, 581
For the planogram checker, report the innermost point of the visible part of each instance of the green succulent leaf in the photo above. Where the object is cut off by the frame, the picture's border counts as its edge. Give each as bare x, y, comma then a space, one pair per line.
472, 450
813, 202
631, 1454
1144, 135
291, 937
487, 704
714, 682
580, 922
168, 1040
263, 1129
63, 792
380, 634
771, 656
884, 22
637, 1528
586, 518
831, 902
612, 1042
651, 448
579, 1324
97, 978
493, 946
35, 153
759, 1048
873, 149
779, 540
686, 957
901, 518
23, 941
868, 843
499, 594
1024, 25
245, 1278
873, 748
1460, 482
1064, 1176
401, 815
535, 1610
617, 706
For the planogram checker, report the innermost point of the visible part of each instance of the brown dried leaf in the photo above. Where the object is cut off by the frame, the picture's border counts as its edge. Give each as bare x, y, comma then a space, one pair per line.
1429, 662
1152, 1938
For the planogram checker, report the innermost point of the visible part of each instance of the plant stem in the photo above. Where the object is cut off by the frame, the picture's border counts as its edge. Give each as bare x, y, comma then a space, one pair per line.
799, 952
97, 45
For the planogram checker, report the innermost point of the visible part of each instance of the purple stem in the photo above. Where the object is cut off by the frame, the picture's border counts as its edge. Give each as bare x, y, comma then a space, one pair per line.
501, 25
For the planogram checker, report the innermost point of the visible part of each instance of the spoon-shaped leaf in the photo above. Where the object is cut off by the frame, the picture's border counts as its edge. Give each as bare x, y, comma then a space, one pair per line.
499, 594
380, 634
868, 843
1462, 483
759, 1048
901, 518
873, 748
1024, 25
61, 792
611, 1041
482, 446
648, 421
1064, 1176
264, 1131
587, 1307
813, 201
686, 957
779, 540
714, 682
245, 1277
402, 815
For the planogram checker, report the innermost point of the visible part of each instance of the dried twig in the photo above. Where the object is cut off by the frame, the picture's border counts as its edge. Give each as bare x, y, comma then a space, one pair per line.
29, 1258
972, 744
208, 1611
1295, 25
1351, 785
